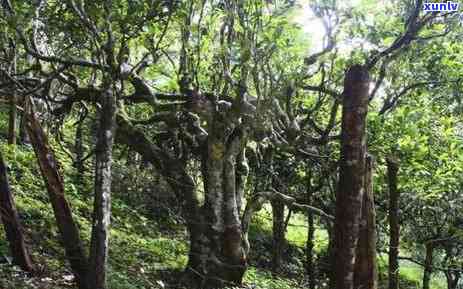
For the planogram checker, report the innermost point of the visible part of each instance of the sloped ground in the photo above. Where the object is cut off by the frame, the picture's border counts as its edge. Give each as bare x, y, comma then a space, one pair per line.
144, 253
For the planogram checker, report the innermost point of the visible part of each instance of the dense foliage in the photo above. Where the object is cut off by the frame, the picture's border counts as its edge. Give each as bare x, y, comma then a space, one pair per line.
212, 143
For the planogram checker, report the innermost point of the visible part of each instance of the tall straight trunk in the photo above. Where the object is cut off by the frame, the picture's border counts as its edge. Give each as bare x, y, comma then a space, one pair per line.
428, 264
12, 224
102, 203
67, 227
394, 227
278, 228
366, 271
351, 174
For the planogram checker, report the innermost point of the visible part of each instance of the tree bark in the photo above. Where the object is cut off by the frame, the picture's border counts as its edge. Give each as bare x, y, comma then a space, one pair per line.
352, 173
12, 121
67, 227
331, 257
175, 173
428, 262
217, 254
23, 134
452, 277
366, 272
226, 252
12, 224
309, 248
242, 172
393, 216
79, 151
278, 217
13, 114
99, 245
310, 264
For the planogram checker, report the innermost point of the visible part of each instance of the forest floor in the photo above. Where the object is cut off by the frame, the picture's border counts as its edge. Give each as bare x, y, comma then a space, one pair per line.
144, 253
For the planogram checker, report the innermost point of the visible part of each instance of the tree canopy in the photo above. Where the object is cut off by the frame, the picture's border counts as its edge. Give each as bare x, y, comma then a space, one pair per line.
196, 118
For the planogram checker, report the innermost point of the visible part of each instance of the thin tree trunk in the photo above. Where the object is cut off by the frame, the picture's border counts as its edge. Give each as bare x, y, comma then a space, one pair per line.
67, 227
13, 115
310, 264
23, 135
366, 271
393, 216
351, 174
278, 217
99, 245
309, 248
428, 265
12, 121
79, 151
12, 224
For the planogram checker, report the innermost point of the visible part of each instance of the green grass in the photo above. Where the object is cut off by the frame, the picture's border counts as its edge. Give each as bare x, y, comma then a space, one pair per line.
411, 274
139, 249
296, 233
262, 279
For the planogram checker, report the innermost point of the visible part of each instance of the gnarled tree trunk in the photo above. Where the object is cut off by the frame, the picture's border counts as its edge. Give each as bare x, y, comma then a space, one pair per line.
352, 174
224, 250
393, 216
67, 227
217, 254
175, 173
11, 223
365, 276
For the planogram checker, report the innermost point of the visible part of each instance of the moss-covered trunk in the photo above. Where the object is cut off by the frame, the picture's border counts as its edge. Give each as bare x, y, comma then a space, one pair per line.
222, 253
99, 245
